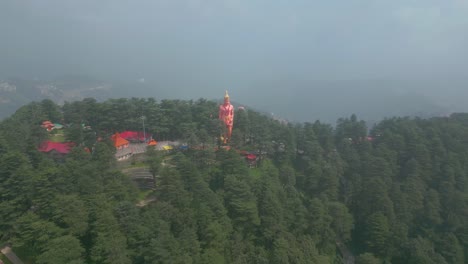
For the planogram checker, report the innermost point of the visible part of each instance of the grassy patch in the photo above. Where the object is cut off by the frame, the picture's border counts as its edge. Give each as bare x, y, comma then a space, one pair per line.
255, 173
124, 166
57, 137
128, 164
143, 194
138, 165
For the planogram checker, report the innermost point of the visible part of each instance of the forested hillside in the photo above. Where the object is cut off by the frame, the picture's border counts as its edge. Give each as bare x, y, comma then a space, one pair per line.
394, 193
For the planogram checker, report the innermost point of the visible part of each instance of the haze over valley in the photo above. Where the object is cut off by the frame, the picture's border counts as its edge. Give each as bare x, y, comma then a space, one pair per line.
299, 60
304, 101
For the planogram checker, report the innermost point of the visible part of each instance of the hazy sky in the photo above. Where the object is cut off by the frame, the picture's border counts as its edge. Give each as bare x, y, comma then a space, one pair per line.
223, 43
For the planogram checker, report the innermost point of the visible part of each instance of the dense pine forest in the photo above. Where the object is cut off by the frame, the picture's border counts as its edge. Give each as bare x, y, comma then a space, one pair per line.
396, 192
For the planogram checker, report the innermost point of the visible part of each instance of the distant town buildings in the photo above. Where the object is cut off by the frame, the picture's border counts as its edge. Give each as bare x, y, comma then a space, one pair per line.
6, 87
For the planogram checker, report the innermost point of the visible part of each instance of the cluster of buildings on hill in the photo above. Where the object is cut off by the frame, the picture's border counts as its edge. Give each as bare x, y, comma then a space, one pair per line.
49, 126
126, 143
129, 143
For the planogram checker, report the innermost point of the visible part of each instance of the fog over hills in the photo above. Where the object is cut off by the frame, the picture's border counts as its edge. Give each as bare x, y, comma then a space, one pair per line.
292, 100
303, 60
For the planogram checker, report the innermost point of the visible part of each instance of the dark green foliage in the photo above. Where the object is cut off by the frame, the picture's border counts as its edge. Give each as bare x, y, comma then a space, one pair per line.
241, 202
394, 194
64, 249
367, 258
70, 212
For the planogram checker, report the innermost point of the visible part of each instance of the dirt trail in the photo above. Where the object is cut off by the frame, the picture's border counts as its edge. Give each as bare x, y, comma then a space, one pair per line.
8, 252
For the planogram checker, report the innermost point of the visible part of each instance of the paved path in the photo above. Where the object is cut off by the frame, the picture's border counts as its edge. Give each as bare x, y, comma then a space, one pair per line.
137, 148
161, 144
6, 250
146, 201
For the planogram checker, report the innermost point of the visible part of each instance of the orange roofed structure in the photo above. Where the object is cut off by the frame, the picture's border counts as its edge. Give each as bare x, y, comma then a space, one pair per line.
119, 142
152, 142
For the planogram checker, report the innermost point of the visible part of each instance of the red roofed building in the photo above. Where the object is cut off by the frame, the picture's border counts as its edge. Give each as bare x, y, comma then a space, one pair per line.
47, 125
251, 156
251, 159
135, 136
119, 142
62, 148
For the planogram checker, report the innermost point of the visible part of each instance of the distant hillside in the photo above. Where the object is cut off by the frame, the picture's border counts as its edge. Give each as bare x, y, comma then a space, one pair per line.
292, 100
16, 92
330, 100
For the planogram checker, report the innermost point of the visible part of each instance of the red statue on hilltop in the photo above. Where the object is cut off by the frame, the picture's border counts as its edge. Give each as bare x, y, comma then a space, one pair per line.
226, 114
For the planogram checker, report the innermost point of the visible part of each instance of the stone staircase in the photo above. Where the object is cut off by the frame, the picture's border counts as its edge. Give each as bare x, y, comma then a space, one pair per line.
142, 177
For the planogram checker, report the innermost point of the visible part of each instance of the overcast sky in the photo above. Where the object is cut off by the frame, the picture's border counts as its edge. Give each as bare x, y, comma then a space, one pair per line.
222, 43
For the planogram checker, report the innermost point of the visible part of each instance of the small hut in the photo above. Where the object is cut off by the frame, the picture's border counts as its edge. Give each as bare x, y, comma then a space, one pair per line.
251, 160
